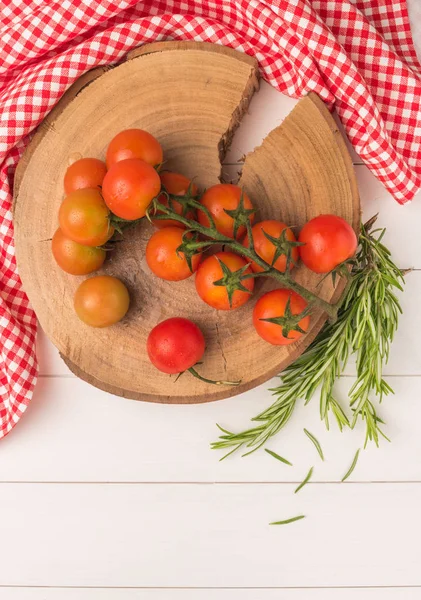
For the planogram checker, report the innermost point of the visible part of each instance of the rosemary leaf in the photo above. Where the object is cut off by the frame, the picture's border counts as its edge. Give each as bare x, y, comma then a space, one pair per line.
315, 442
305, 481
291, 520
352, 467
284, 460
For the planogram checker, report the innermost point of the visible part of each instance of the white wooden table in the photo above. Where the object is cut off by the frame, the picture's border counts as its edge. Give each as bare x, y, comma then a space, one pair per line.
108, 499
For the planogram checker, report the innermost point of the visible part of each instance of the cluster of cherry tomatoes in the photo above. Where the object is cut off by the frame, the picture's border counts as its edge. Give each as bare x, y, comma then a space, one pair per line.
103, 196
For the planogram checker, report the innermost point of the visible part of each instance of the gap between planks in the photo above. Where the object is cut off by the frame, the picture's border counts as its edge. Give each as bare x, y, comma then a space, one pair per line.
211, 483
169, 588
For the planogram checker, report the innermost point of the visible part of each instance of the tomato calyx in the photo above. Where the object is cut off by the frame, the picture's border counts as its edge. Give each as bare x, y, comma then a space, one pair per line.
283, 246
341, 270
120, 224
241, 216
289, 321
189, 247
188, 200
232, 280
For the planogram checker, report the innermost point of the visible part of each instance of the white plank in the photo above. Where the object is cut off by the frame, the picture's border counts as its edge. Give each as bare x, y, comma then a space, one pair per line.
74, 432
399, 593
402, 222
209, 535
405, 357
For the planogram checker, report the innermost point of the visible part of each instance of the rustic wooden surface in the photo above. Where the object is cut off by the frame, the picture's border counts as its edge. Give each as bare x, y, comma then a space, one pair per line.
302, 169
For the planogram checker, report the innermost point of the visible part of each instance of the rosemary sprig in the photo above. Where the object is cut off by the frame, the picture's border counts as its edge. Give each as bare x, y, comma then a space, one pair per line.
366, 324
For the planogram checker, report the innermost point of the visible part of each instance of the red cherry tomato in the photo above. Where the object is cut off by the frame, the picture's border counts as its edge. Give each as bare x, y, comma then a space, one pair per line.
273, 305
210, 271
219, 198
266, 249
177, 185
84, 173
175, 345
134, 143
129, 187
329, 240
163, 259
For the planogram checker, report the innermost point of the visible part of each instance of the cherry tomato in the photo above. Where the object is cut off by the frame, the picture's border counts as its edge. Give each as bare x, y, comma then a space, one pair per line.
101, 301
134, 143
84, 173
176, 184
273, 305
162, 257
266, 249
210, 271
74, 258
175, 345
219, 198
129, 187
84, 218
329, 240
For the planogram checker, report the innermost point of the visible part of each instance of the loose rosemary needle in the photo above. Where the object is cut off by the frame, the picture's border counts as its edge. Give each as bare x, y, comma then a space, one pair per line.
280, 458
315, 442
366, 324
352, 467
291, 520
305, 481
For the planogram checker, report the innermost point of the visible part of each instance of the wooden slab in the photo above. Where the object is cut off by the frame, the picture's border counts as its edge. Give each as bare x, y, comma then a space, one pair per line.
191, 96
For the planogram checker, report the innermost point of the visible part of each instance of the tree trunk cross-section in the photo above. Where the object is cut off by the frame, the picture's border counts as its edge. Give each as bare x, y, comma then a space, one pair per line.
191, 96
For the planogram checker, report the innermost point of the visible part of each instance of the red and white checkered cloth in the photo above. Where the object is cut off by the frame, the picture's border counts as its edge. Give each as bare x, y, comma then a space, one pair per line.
355, 54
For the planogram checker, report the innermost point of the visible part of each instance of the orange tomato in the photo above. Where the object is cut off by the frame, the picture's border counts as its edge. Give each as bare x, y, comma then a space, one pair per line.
101, 301
264, 247
84, 218
74, 258
84, 173
134, 143
210, 271
219, 198
163, 259
129, 187
176, 184
273, 305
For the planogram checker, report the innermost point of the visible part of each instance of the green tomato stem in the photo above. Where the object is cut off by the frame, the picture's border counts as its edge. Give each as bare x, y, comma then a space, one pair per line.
287, 282
196, 374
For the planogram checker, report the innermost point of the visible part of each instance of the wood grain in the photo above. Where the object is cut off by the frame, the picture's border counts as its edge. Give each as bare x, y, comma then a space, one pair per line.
301, 169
